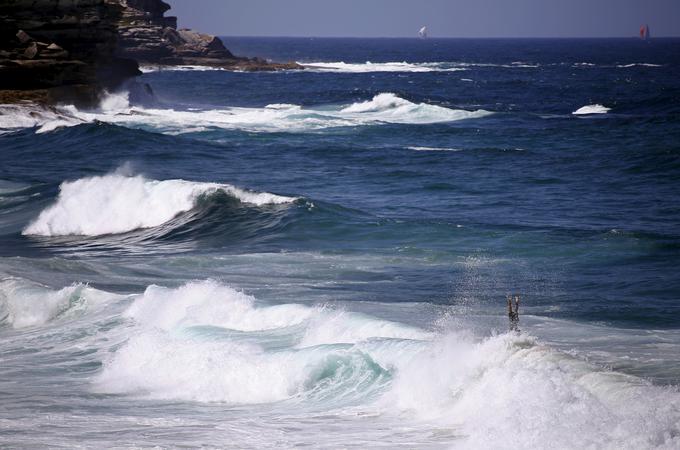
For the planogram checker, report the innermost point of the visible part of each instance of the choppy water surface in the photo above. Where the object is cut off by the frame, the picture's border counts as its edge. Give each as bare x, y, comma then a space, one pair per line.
320, 258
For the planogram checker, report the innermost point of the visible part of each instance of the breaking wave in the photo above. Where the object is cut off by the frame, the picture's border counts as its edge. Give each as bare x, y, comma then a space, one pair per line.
181, 68
115, 109
591, 109
116, 203
625, 66
434, 149
16, 117
391, 108
207, 342
370, 67
24, 304
379, 67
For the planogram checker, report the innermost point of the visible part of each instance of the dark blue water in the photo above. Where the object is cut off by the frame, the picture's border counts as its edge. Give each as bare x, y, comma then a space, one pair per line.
469, 180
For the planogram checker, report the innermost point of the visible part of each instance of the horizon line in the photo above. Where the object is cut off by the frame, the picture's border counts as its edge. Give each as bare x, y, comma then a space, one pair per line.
443, 37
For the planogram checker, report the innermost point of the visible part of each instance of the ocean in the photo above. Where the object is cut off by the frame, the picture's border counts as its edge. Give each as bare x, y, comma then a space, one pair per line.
321, 258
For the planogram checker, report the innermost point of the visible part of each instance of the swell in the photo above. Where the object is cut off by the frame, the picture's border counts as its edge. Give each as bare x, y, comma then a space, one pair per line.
132, 214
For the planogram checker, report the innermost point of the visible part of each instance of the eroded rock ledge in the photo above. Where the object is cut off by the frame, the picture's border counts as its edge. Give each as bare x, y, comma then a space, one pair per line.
148, 36
60, 50
73, 50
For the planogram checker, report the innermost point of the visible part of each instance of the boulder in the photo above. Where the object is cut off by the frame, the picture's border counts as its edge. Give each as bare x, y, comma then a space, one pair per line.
23, 37
31, 51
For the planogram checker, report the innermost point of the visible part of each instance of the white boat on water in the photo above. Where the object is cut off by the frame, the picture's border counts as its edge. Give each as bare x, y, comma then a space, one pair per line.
423, 32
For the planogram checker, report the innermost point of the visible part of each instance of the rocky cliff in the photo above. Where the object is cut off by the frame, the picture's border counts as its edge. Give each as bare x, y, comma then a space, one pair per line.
73, 50
55, 50
147, 35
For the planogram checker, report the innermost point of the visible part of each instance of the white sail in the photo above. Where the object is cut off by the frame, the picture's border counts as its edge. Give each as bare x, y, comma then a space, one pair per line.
423, 32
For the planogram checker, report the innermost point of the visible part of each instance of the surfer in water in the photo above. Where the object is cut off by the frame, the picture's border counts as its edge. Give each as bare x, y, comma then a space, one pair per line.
513, 314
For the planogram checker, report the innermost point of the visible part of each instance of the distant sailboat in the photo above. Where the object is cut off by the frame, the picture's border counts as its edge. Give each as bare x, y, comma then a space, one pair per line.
644, 33
423, 32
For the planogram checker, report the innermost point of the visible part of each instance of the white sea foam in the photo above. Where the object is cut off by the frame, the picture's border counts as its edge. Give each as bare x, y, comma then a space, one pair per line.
172, 356
625, 66
115, 108
207, 342
282, 106
592, 109
182, 68
388, 107
117, 203
16, 117
619, 66
365, 67
379, 67
512, 65
369, 67
116, 102
509, 391
434, 149
24, 304
211, 303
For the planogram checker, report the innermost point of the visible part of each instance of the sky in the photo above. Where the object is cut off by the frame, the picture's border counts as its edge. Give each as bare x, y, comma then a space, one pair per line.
444, 18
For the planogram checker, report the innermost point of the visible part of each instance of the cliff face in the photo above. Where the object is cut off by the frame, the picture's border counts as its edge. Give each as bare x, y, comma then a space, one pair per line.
145, 34
71, 50
61, 46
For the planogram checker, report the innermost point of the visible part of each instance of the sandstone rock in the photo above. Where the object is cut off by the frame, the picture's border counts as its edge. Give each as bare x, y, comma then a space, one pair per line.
146, 35
23, 37
60, 44
31, 51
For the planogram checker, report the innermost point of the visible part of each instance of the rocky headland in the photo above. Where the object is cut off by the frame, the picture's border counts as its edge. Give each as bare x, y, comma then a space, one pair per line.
148, 36
60, 50
74, 50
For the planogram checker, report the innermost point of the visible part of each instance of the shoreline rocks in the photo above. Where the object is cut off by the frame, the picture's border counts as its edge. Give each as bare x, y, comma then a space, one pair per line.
74, 50
60, 50
148, 36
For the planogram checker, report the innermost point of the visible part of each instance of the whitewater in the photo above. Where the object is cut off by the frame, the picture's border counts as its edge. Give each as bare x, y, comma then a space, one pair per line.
321, 258
132, 202
116, 109
206, 343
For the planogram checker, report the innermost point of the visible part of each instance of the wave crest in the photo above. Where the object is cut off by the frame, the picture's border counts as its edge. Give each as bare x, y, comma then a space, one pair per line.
207, 342
388, 107
591, 109
114, 204
24, 304
368, 67
273, 118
